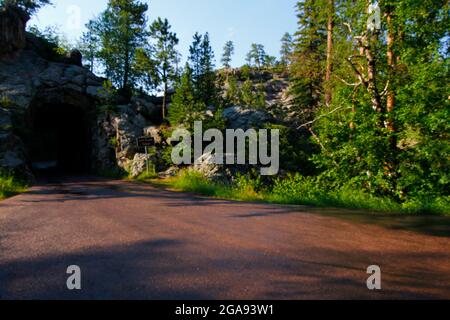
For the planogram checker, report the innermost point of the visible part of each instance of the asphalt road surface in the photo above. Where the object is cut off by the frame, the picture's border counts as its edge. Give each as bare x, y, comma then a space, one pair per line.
133, 241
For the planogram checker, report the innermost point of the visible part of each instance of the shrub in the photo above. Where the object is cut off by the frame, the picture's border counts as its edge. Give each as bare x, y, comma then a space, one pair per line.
9, 185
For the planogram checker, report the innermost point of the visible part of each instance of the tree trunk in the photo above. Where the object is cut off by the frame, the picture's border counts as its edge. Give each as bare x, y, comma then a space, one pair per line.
164, 107
126, 70
371, 77
391, 60
330, 29
391, 98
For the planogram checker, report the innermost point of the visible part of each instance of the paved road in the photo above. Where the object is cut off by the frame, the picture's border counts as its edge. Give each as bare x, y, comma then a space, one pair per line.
135, 241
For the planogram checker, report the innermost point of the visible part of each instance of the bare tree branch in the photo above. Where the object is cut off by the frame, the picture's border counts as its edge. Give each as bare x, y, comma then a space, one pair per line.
386, 89
357, 84
305, 125
349, 27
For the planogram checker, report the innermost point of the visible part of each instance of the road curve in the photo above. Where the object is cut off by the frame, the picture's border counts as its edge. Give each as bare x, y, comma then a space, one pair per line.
134, 241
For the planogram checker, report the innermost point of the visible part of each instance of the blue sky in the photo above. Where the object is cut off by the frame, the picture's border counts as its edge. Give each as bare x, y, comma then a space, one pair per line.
242, 21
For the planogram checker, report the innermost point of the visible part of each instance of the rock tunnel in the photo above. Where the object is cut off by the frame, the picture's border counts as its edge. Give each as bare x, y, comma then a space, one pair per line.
58, 137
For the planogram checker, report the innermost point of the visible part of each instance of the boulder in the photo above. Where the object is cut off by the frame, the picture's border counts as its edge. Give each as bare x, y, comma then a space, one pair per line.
243, 118
128, 126
206, 166
74, 57
103, 151
144, 105
12, 156
97, 92
169, 173
155, 133
139, 164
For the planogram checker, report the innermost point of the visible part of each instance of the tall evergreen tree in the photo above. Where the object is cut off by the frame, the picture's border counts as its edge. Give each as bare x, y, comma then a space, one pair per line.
88, 45
287, 46
201, 62
270, 61
228, 52
165, 54
207, 85
145, 68
184, 106
195, 54
121, 29
307, 70
256, 56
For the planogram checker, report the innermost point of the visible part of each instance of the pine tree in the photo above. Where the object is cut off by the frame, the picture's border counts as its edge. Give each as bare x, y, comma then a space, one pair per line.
251, 96
165, 55
195, 54
233, 92
207, 85
145, 68
184, 108
201, 61
307, 70
287, 46
121, 29
270, 61
228, 52
88, 45
256, 56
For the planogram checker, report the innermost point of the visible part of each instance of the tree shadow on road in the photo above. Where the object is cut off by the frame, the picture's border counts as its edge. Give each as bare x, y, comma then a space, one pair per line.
167, 269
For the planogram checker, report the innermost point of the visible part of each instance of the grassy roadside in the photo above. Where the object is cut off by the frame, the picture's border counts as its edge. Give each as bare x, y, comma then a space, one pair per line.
10, 186
293, 194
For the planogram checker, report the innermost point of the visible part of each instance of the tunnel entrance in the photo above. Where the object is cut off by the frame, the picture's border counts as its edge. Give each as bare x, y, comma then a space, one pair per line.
60, 140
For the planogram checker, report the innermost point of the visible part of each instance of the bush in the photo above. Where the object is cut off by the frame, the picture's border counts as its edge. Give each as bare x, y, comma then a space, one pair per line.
310, 191
10, 186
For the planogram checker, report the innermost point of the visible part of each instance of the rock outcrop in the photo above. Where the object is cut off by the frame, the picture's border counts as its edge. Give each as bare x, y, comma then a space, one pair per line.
32, 77
274, 84
238, 117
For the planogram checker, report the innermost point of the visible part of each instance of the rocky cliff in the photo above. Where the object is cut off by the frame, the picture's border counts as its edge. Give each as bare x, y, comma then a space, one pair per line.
273, 83
36, 84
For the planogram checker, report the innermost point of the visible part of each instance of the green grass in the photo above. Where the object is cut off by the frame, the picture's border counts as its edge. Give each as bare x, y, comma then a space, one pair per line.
145, 176
300, 192
191, 181
9, 186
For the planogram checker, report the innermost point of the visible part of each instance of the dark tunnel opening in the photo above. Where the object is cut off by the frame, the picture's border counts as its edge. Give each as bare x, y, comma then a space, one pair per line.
60, 140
